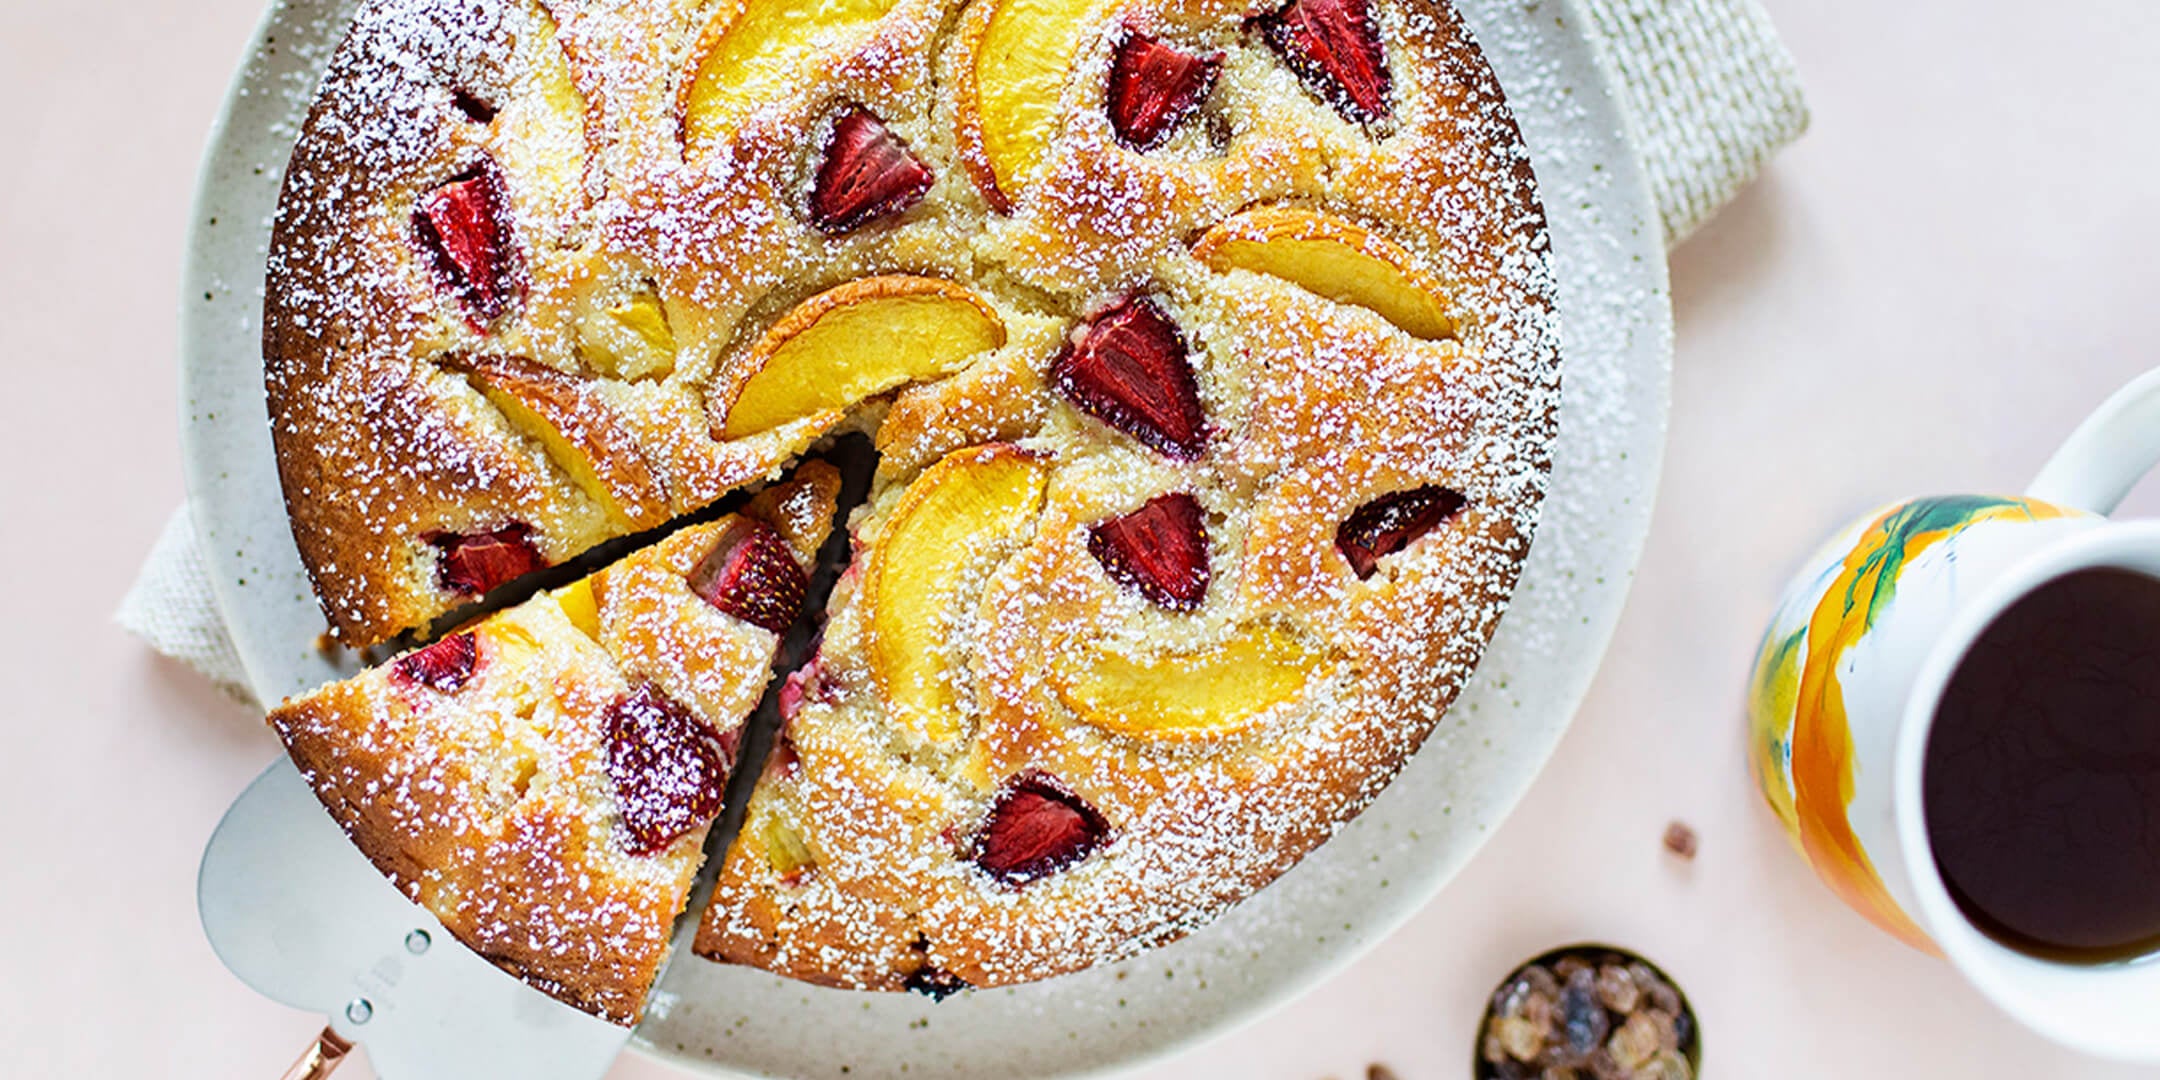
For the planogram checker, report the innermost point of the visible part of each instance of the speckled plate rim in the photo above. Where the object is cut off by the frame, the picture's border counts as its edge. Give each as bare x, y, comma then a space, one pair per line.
1341, 900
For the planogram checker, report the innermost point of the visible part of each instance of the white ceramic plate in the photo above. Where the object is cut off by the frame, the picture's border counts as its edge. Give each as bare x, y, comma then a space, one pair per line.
1344, 897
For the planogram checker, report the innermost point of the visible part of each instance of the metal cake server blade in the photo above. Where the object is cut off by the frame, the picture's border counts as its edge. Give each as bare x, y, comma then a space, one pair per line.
300, 915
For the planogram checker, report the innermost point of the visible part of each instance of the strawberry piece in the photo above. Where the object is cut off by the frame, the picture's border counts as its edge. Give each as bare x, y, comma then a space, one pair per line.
802, 686
1036, 828
446, 665
867, 174
463, 226
1161, 550
1393, 522
934, 983
1128, 367
473, 564
1334, 47
668, 770
784, 758
1154, 87
475, 109
751, 574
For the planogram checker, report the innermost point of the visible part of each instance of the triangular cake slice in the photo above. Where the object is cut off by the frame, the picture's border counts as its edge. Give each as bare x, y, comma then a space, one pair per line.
542, 780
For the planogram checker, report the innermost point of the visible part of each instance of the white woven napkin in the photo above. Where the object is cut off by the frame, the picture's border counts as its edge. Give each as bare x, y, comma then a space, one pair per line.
1710, 91
1711, 94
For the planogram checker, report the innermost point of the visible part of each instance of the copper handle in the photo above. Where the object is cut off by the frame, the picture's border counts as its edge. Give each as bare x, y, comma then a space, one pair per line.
320, 1059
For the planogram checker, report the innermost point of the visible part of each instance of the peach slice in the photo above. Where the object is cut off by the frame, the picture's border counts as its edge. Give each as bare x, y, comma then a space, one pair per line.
581, 605
578, 430
959, 517
1212, 691
757, 51
857, 340
786, 851
1016, 62
1335, 258
629, 339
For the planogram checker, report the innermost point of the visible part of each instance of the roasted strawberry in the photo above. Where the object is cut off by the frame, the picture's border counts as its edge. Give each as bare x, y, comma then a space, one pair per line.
463, 225
473, 564
1036, 828
1334, 47
446, 665
1393, 522
802, 685
1161, 550
1128, 367
668, 770
751, 575
867, 174
1154, 87
475, 109
934, 983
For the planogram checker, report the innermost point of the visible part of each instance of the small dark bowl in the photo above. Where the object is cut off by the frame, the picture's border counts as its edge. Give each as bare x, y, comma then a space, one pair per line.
1597, 956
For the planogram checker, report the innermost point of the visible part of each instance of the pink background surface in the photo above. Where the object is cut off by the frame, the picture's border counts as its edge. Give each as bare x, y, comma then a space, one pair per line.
1922, 296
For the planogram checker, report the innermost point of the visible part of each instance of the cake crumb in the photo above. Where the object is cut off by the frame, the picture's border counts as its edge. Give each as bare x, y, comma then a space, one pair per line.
1680, 839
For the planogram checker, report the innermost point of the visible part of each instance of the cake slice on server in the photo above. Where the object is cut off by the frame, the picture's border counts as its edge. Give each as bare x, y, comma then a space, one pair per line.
542, 780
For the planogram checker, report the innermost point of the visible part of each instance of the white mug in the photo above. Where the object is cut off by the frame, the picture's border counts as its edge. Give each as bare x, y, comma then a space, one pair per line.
1862, 647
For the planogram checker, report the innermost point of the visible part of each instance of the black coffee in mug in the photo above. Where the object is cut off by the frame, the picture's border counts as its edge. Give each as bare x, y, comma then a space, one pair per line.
2041, 783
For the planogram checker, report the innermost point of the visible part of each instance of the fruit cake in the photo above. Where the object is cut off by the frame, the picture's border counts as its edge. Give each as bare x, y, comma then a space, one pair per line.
542, 780
1207, 346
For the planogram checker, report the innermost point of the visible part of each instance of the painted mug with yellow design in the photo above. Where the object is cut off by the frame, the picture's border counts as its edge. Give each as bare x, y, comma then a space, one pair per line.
1848, 676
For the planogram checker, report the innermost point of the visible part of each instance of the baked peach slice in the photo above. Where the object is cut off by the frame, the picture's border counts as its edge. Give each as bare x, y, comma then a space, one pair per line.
629, 338
581, 605
855, 341
755, 51
1215, 690
953, 523
1335, 258
1012, 74
576, 428
786, 850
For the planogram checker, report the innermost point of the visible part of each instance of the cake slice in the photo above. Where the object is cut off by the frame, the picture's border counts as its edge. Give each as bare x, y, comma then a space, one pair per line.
542, 780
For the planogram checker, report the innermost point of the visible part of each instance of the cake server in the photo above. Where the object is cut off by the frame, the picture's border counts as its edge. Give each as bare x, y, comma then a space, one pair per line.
300, 915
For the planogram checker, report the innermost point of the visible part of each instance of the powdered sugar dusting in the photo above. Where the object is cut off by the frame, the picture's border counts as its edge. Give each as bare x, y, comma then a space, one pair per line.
550, 806
1338, 900
1317, 407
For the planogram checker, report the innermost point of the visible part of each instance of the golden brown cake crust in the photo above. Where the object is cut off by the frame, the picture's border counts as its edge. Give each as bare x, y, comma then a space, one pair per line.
385, 434
488, 797
1319, 410
633, 178
514, 882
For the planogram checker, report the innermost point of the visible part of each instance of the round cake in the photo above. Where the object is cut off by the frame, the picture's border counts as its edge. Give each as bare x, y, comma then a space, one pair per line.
1208, 352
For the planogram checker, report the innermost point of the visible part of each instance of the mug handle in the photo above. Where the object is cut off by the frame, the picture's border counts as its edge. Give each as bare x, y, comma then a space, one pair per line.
2108, 454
